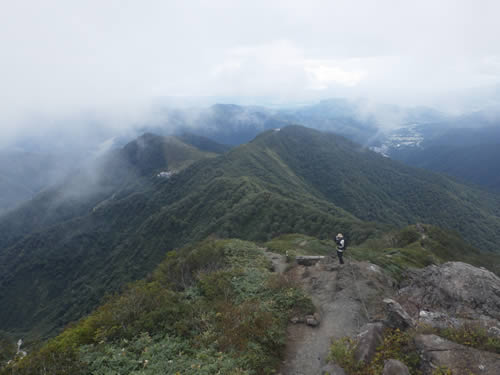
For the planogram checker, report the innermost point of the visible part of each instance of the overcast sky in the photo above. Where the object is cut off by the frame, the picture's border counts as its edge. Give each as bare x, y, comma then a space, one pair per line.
61, 57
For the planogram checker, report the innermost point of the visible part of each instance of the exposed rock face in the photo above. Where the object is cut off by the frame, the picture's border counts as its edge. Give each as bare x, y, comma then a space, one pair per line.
461, 360
397, 317
348, 297
395, 367
455, 288
370, 337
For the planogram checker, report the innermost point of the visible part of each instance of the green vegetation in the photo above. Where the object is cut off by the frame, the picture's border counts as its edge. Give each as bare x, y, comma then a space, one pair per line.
476, 164
468, 334
396, 345
60, 254
400, 345
7, 349
395, 251
213, 307
300, 244
419, 246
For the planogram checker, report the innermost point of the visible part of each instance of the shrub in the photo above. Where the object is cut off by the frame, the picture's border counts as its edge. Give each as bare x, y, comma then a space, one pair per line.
472, 335
396, 345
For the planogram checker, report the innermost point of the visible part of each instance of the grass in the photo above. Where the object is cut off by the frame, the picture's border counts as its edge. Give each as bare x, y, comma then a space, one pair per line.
210, 308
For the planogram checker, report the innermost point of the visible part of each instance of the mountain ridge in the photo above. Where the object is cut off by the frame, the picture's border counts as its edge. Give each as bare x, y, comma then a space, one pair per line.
291, 180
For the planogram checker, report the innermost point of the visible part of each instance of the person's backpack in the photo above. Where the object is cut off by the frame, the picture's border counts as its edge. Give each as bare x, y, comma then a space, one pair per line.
345, 243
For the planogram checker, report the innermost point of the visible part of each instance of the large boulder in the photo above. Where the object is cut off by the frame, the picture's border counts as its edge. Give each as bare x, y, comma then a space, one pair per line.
455, 288
461, 360
395, 367
370, 337
396, 316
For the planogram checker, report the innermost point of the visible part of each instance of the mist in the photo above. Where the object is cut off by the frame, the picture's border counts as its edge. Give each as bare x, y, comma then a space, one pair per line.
79, 80
116, 60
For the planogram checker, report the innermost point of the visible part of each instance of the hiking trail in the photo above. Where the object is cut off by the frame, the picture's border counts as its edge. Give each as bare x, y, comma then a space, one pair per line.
340, 294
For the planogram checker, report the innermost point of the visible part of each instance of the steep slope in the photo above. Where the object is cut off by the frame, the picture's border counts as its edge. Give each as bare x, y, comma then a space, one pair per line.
213, 307
293, 180
116, 174
478, 165
378, 189
470, 154
219, 306
55, 269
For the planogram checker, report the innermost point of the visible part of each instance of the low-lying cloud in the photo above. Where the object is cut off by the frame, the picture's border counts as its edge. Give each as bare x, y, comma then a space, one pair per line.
115, 58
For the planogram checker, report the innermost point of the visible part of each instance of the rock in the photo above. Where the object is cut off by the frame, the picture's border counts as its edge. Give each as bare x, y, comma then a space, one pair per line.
397, 317
336, 296
332, 369
297, 320
369, 339
311, 260
442, 320
436, 319
461, 360
395, 367
313, 320
455, 288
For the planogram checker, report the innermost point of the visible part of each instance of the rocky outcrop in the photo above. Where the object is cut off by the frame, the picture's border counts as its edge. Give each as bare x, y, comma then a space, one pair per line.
461, 360
350, 297
455, 288
395, 367
370, 337
397, 317
308, 260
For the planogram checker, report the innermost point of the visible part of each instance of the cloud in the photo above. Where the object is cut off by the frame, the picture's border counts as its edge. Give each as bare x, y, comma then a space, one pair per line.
324, 73
117, 57
279, 68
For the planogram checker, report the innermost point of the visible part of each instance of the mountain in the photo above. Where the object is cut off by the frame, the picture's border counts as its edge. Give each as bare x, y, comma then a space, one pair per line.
359, 120
416, 134
341, 116
227, 124
118, 172
56, 266
478, 164
464, 146
24, 174
236, 307
469, 154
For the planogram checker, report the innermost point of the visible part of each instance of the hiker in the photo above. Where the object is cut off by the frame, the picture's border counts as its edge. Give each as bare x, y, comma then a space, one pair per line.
341, 246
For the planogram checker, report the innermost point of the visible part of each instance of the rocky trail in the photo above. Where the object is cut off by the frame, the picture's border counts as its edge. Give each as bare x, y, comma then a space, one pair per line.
352, 300
343, 296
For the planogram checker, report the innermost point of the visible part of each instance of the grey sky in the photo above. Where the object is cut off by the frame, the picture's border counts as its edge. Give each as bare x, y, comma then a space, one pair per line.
61, 57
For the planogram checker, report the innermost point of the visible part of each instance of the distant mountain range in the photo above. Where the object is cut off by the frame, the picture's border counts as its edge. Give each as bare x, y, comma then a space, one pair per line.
114, 222
419, 136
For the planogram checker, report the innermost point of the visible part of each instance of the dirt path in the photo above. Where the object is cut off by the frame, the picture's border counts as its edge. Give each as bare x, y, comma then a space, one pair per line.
335, 291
